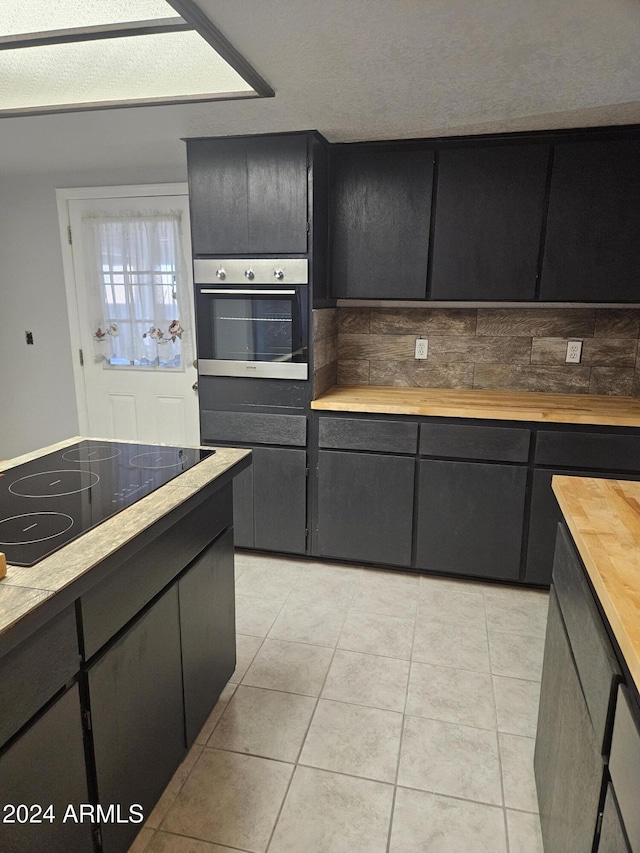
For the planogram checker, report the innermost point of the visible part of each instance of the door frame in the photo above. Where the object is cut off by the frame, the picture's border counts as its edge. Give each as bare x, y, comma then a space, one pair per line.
63, 197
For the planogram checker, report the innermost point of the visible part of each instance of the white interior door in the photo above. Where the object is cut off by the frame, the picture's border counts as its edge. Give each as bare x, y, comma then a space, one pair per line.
147, 402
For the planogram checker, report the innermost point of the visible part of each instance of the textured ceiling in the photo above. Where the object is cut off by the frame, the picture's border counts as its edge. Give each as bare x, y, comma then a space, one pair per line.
375, 69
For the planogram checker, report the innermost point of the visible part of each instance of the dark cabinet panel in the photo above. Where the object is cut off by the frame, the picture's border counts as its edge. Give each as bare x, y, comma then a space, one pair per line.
470, 518
624, 765
357, 434
592, 651
498, 444
34, 671
381, 211
218, 193
592, 244
279, 499
207, 625
46, 766
365, 507
567, 762
277, 194
488, 221
597, 451
243, 509
248, 195
137, 716
254, 427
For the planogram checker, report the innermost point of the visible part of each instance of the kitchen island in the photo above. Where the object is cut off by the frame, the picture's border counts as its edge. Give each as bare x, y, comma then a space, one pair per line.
113, 650
587, 758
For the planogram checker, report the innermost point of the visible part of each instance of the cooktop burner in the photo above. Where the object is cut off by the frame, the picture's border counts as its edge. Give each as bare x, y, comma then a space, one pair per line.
53, 484
48, 502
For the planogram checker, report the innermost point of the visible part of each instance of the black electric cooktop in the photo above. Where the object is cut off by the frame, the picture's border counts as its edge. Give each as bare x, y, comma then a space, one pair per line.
46, 503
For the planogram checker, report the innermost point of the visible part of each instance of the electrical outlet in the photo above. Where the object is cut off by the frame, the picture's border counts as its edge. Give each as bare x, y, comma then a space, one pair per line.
574, 352
422, 348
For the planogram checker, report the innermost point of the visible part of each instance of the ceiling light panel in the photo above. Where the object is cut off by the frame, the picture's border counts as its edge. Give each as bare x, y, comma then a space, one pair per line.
34, 16
145, 68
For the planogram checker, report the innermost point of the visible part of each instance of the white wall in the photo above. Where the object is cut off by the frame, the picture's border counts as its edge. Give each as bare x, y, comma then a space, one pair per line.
37, 394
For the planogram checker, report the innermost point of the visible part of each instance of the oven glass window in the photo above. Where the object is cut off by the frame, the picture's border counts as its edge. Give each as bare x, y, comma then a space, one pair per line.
257, 328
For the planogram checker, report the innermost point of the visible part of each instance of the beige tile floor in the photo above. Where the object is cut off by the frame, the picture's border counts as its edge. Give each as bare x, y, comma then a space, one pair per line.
370, 712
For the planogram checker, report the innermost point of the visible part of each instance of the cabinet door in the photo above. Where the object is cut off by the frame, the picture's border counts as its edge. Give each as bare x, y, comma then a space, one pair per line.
138, 716
365, 507
567, 762
243, 509
470, 518
488, 221
207, 625
543, 524
46, 766
592, 243
380, 228
280, 499
218, 191
277, 194
612, 837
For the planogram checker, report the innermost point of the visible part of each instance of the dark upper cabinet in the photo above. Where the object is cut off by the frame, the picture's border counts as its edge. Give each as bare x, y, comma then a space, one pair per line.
248, 195
488, 220
380, 215
592, 244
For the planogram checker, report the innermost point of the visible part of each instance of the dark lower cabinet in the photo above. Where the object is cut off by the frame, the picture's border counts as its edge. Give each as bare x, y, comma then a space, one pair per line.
207, 626
270, 501
279, 499
568, 761
470, 518
46, 766
243, 509
612, 837
137, 716
365, 507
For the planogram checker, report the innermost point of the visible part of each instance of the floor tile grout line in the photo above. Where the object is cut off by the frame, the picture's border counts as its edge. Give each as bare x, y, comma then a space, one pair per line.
502, 787
302, 743
196, 838
391, 815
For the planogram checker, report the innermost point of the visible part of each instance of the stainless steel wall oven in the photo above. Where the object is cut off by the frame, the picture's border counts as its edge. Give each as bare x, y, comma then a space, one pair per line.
252, 317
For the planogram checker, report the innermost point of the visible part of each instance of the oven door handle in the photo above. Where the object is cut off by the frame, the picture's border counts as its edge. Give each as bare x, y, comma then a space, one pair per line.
248, 292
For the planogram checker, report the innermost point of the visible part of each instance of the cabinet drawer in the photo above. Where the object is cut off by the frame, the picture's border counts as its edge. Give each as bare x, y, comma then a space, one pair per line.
121, 595
32, 672
475, 442
254, 428
595, 659
606, 451
624, 766
381, 436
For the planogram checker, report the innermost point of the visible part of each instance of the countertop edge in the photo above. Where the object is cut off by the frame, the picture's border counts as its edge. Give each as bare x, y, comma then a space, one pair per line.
533, 407
628, 647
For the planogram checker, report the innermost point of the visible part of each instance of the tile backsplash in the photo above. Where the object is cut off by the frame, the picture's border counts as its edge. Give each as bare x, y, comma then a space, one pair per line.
514, 349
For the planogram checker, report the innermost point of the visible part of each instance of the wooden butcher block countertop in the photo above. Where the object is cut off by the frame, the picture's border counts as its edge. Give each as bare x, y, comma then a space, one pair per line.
491, 405
604, 519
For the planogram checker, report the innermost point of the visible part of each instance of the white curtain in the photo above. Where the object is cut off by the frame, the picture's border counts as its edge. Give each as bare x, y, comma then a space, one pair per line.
138, 289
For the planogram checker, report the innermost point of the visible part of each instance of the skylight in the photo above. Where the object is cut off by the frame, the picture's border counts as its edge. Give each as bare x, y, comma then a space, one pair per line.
58, 55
